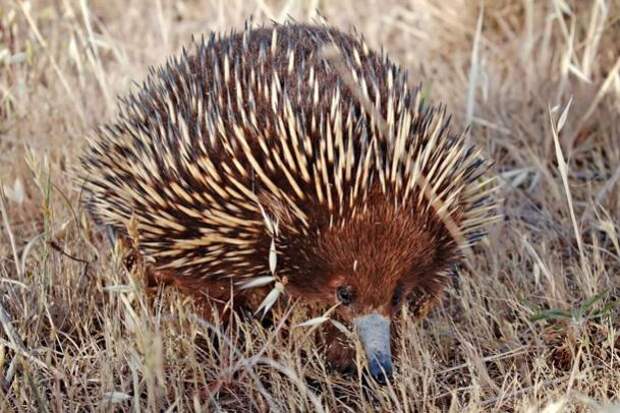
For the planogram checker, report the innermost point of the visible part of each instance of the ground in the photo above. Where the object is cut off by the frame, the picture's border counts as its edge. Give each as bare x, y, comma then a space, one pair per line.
531, 322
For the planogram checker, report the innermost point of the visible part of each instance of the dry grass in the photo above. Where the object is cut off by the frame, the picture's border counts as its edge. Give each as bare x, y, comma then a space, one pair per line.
532, 322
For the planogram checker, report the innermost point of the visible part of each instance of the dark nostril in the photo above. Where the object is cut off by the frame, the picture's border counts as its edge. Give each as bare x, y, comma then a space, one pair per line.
381, 379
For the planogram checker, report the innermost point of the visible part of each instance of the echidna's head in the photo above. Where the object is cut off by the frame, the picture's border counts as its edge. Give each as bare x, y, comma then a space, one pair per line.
368, 263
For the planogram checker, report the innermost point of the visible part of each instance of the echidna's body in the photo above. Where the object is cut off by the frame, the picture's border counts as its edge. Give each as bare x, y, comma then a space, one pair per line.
268, 136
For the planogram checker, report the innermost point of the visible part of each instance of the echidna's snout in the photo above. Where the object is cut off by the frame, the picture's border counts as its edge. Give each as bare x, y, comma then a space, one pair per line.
374, 333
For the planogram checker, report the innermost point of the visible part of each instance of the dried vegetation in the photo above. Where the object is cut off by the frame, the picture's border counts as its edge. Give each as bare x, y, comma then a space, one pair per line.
531, 323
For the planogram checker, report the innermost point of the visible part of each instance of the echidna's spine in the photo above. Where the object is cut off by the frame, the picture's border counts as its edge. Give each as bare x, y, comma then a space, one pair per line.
264, 116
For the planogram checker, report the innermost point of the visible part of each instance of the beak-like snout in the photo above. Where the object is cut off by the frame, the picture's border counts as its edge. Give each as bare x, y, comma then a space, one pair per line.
374, 333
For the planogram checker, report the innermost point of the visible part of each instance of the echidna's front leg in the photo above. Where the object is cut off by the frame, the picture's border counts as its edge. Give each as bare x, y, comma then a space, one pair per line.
339, 350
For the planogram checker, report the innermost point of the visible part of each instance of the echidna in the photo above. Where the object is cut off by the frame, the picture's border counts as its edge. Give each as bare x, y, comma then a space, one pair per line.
297, 139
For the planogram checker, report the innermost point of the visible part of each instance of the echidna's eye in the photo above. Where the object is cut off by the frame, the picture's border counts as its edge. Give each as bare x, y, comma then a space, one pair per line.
398, 293
344, 294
